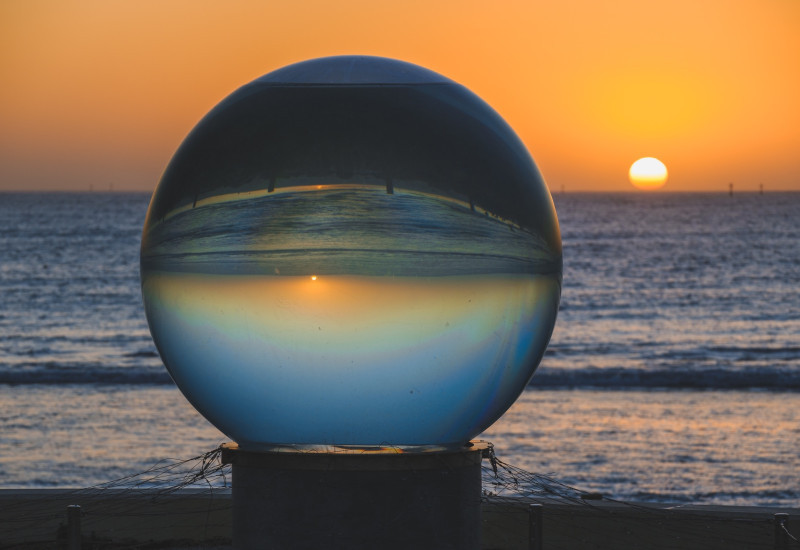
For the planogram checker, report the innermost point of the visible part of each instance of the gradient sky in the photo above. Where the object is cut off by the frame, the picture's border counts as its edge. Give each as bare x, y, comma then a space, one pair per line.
101, 93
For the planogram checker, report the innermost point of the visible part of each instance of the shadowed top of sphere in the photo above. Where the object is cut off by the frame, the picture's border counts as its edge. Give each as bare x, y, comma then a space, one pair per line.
360, 120
352, 69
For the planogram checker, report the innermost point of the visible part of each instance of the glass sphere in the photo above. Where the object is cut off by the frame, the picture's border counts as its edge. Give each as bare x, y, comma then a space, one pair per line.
351, 251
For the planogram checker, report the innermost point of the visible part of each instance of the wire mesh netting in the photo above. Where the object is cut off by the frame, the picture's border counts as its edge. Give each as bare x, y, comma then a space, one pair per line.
187, 504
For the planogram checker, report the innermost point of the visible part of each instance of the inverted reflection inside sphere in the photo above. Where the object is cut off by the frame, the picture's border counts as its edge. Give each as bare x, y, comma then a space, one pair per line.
351, 251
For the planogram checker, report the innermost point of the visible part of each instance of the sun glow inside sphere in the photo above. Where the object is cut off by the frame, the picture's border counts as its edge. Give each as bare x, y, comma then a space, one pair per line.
351, 251
648, 173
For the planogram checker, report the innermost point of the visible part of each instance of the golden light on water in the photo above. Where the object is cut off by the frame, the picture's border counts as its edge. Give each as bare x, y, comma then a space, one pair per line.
648, 173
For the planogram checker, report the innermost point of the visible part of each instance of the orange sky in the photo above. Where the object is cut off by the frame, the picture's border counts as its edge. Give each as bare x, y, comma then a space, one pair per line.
99, 93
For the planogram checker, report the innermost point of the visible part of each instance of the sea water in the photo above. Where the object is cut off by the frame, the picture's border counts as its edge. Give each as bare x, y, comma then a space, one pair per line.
673, 373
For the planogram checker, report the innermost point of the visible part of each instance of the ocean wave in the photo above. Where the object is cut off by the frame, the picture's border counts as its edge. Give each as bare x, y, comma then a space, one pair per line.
53, 374
772, 379
765, 379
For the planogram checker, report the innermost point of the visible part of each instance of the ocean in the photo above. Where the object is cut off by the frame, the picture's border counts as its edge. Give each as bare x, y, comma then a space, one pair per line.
673, 373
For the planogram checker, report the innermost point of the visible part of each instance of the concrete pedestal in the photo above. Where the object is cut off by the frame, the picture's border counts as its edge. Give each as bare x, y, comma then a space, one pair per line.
356, 498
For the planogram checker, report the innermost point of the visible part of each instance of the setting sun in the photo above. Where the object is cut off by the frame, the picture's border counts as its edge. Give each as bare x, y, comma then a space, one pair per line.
648, 173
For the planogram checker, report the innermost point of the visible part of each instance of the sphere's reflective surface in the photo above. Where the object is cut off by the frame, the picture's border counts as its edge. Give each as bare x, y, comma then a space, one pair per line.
351, 251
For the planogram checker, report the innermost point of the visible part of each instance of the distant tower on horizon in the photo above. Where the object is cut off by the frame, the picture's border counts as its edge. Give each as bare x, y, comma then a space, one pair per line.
730, 189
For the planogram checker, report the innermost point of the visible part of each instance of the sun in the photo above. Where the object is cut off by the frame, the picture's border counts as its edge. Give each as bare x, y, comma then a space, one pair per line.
648, 173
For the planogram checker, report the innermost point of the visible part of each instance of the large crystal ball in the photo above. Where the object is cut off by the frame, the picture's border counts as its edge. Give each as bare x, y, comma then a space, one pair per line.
351, 251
